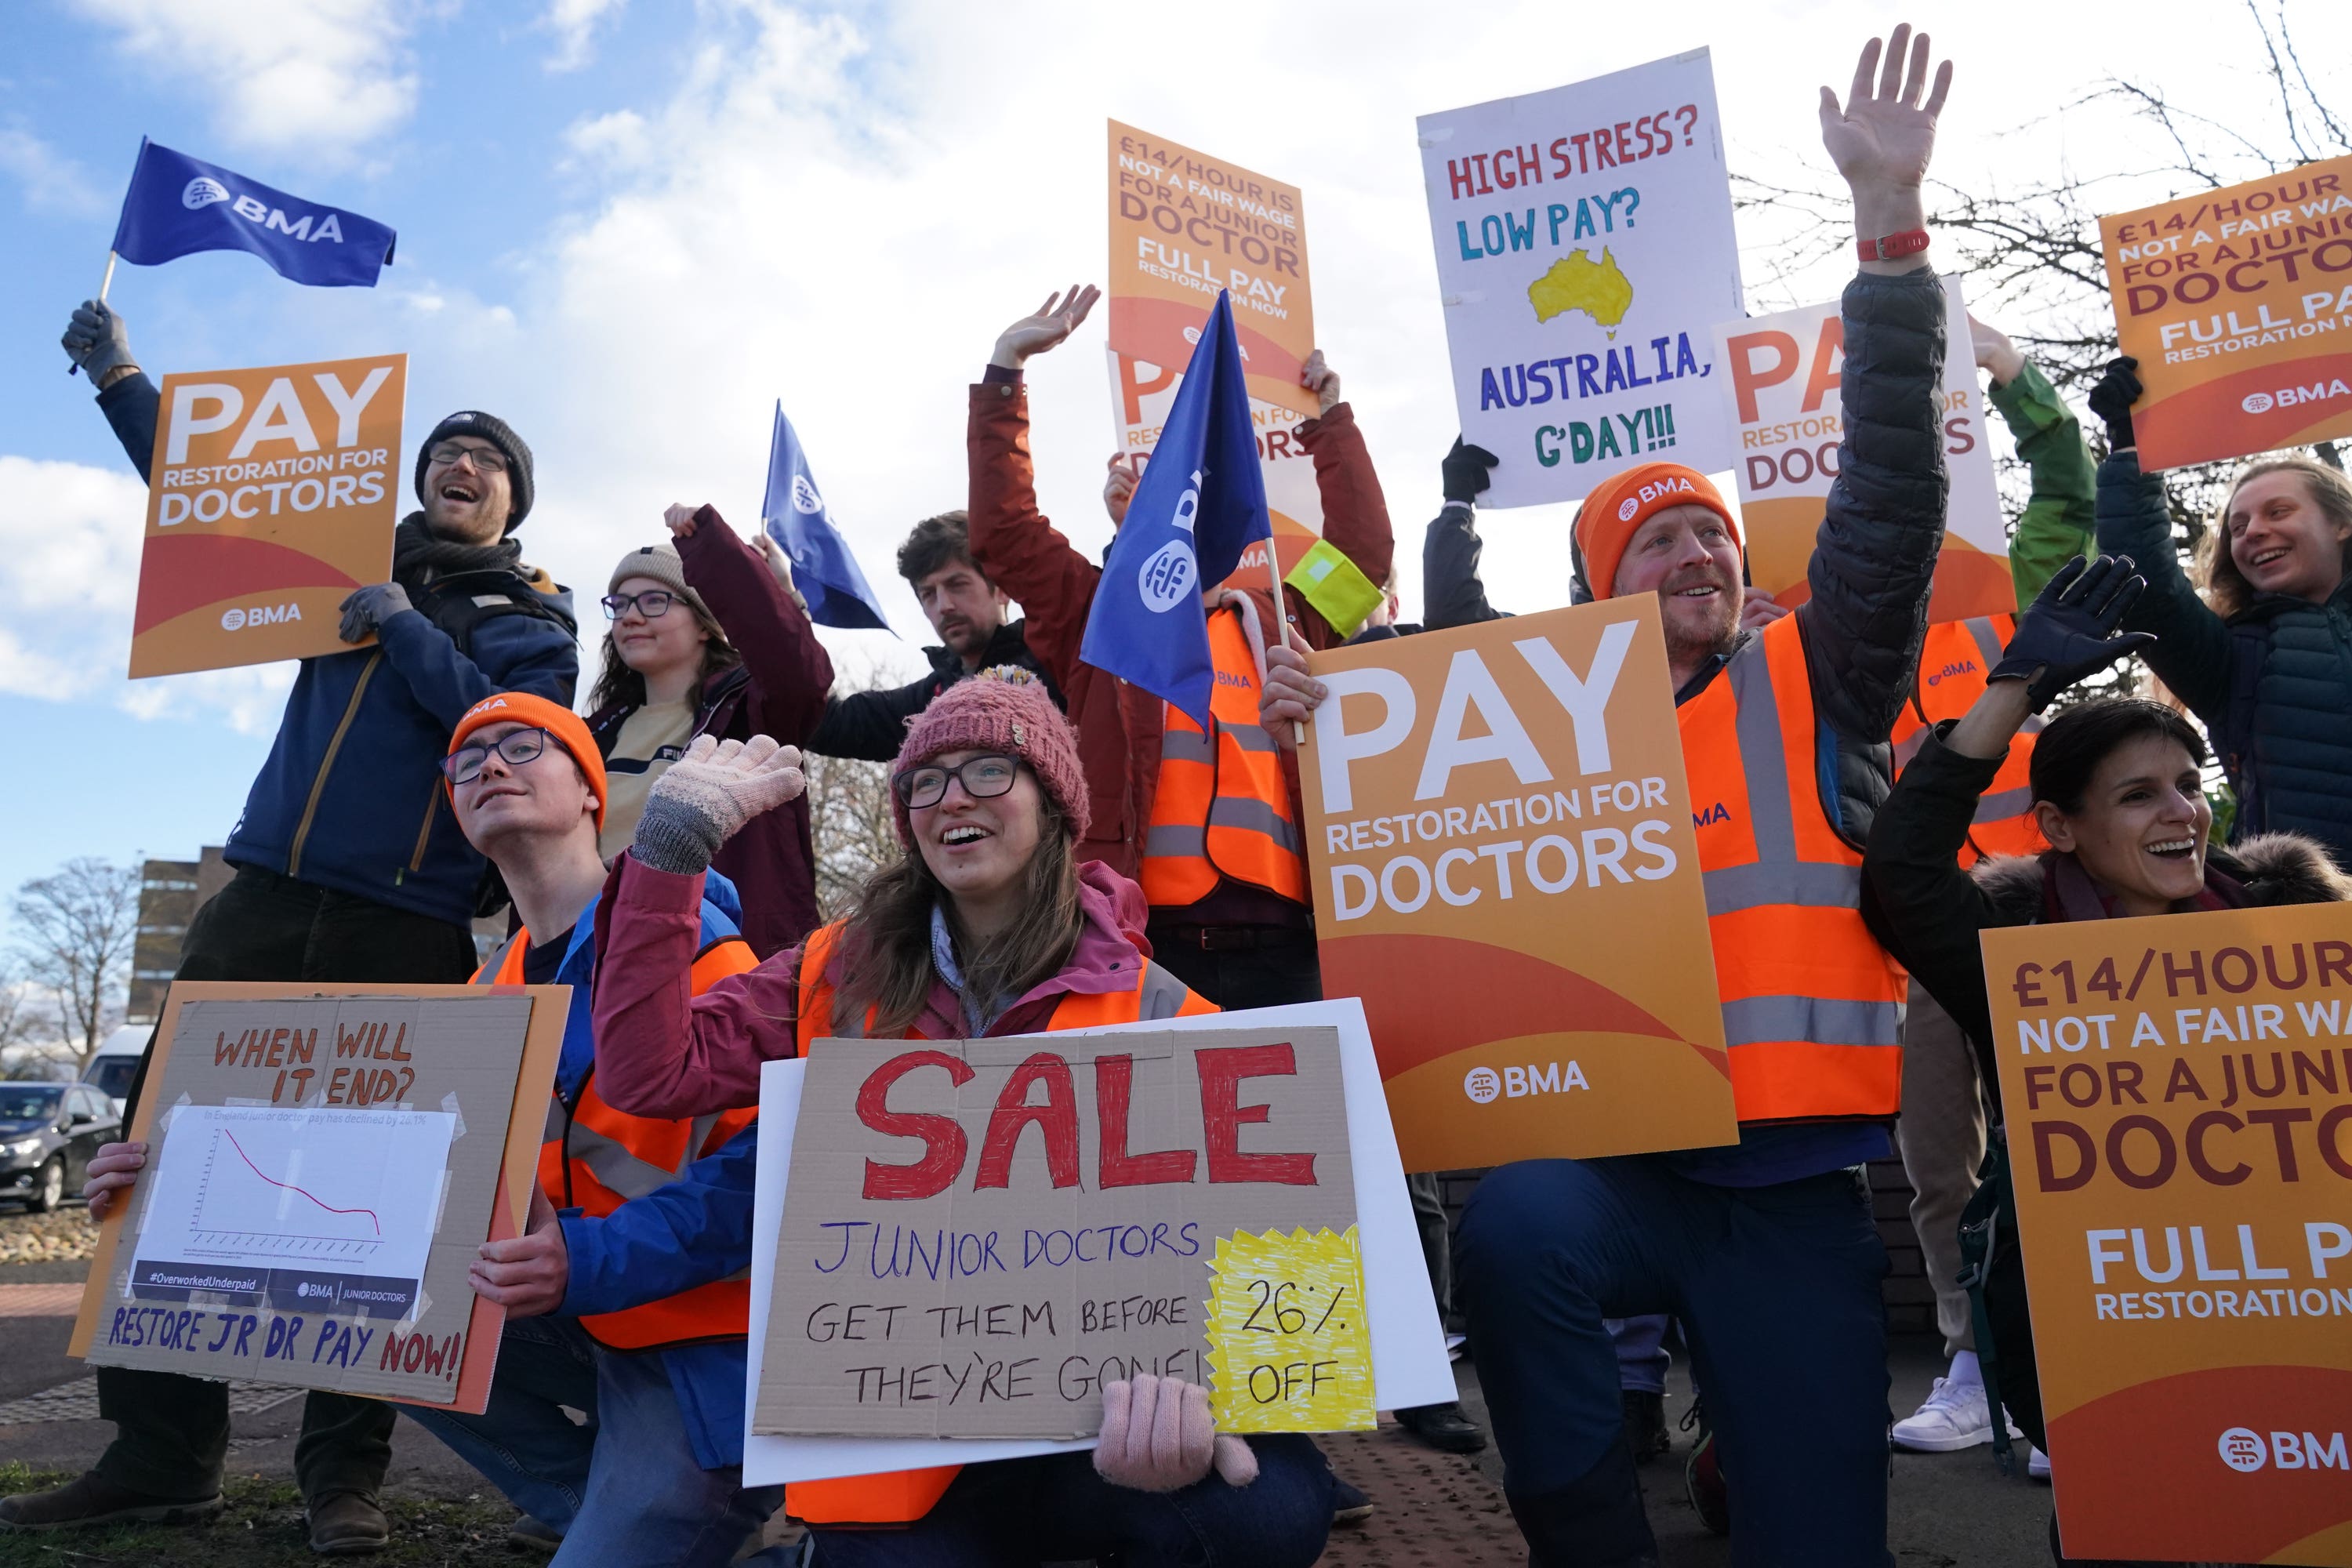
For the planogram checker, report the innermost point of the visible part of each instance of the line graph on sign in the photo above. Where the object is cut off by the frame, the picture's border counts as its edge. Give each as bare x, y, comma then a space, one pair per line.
238, 1202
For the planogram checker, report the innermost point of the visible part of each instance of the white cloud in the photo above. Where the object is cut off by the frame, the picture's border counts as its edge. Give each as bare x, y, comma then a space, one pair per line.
290, 76
70, 539
573, 23
52, 182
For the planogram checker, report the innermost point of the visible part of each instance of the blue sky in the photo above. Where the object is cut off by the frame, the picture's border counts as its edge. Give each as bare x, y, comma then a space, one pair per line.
629, 226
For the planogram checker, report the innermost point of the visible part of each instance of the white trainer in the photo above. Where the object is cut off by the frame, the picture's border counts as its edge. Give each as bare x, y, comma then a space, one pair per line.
2037, 1464
1954, 1415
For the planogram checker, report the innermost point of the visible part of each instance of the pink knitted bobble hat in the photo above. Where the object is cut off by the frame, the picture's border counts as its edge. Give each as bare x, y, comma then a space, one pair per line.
1000, 710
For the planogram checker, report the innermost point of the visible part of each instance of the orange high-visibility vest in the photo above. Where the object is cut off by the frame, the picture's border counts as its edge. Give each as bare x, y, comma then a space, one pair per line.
900, 1496
1222, 806
1953, 664
1812, 1004
594, 1158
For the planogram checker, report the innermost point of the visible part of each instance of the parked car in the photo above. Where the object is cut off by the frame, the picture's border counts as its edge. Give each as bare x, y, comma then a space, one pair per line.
110, 1071
48, 1131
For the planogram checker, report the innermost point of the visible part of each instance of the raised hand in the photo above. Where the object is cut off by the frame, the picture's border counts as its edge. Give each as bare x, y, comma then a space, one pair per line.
1996, 355
1054, 319
2119, 388
2069, 632
708, 795
1158, 1437
96, 340
678, 518
1758, 609
1118, 487
1883, 136
1317, 377
1290, 695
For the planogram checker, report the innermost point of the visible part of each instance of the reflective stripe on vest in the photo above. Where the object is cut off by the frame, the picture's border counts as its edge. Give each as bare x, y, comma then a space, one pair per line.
1953, 665
1222, 806
594, 1158
900, 1496
1812, 1004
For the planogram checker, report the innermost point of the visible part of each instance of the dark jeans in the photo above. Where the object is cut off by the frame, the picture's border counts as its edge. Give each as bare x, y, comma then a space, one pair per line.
1235, 978
1015, 1513
171, 1432
1779, 1288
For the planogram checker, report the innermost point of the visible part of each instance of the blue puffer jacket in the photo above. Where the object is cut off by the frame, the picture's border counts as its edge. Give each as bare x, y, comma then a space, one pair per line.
696, 1230
350, 797
2272, 685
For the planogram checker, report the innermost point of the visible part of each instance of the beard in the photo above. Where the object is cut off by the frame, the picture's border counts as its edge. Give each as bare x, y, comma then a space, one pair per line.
1691, 637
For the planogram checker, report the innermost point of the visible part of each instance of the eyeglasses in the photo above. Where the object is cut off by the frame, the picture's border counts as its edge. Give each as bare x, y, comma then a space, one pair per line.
985, 777
488, 459
516, 747
653, 604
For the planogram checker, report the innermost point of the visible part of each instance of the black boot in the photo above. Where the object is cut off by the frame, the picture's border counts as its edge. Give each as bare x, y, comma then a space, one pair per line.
1594, 1521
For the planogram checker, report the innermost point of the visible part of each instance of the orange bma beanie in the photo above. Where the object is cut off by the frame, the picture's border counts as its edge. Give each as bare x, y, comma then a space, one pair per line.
571, 732
1616, 510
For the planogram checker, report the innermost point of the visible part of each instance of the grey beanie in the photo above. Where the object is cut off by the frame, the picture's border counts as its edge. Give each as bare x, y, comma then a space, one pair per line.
660, 563
498, 434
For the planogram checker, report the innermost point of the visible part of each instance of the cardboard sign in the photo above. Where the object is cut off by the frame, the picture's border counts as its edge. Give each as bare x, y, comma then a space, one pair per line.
1505, 871
2237, 304
1780, 383
323, 1161
1185, 225
272, 494
2178, 1098
982, 1233
1584, 250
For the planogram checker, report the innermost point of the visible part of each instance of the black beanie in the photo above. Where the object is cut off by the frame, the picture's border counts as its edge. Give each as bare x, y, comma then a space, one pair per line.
498, 434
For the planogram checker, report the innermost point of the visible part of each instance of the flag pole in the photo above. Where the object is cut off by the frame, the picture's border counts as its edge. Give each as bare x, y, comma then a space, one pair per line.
1282, 621
108, 281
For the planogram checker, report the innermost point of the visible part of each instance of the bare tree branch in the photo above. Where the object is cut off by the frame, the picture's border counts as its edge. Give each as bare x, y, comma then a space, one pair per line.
76, 930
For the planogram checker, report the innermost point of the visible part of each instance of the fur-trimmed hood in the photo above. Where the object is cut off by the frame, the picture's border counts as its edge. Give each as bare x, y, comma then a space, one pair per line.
2275, 869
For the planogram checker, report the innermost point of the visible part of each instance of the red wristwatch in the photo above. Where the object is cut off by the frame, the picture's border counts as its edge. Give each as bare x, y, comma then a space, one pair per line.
1892, 247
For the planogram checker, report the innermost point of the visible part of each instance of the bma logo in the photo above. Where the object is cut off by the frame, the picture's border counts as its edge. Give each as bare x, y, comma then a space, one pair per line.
203, 192
1483, 1085
1545, 1077
2294, 396
1167, 578
1715, 813
1964, 666
236, 619
2244, 1450
805, 501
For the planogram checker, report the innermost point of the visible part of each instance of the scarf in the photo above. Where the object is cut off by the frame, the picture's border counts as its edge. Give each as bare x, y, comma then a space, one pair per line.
419, 555
979, 1011
2071, 893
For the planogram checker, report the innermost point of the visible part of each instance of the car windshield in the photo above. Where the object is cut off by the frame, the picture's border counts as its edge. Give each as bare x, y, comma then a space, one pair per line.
29, 1102
112, 1074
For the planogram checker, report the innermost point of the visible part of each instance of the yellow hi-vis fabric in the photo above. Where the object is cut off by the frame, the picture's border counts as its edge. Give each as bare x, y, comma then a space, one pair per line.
1953, 665
1222, 806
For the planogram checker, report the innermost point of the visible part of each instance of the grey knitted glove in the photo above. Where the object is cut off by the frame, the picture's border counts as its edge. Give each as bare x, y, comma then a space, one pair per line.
707, 794
96, 340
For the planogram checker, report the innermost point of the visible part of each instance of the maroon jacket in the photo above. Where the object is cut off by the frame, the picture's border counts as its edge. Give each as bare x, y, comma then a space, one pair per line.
663, 1051
779, 690
1120, 725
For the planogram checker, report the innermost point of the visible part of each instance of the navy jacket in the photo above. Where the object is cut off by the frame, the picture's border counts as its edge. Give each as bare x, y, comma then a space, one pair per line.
350, 797
872, 725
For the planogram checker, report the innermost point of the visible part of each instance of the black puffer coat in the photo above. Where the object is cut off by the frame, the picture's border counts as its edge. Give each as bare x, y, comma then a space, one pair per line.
2272, 685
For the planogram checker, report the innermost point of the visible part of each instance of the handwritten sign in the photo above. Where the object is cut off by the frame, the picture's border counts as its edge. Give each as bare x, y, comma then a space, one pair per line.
2179, 1098
980, 1233
323, 1162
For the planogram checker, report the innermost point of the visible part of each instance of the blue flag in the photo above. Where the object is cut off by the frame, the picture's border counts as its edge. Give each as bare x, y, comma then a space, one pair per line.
1201, 502
177, 205
794, 515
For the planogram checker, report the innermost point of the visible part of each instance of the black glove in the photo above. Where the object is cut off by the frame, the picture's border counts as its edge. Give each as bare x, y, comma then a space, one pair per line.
2070, 631
96, 340
2113, 398
1465, 469
370, 607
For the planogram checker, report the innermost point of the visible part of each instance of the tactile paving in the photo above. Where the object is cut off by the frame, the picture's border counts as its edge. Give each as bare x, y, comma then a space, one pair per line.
1430, 1510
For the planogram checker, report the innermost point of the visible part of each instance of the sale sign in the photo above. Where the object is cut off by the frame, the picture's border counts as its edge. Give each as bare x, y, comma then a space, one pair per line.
1184, 227
272, 495
1584, 250
2237, 305
1781, 390
2178, 1098
978, 1234
1505, 871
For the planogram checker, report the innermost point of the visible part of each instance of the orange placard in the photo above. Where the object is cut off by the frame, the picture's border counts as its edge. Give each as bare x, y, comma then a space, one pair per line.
1185, 225
1504, 869
273, 493
2178, 1098
2237, 305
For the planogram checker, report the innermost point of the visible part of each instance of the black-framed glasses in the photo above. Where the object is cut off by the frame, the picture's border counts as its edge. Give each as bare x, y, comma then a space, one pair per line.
514, 747
653, 604
488, 459
985, 777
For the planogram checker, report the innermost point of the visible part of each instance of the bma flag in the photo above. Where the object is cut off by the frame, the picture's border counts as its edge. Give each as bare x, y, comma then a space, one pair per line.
177, 205
796, 517
1201, 504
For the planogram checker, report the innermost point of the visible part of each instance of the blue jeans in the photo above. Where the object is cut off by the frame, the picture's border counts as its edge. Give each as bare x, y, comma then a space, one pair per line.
625, 1489
1015, 1513
1779, 1289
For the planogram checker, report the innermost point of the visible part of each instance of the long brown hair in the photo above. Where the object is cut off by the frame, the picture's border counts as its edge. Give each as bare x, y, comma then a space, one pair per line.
886, 943
619, 683
2226, 588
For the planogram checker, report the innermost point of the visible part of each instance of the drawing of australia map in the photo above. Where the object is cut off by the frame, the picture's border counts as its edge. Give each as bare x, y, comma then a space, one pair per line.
1577, 282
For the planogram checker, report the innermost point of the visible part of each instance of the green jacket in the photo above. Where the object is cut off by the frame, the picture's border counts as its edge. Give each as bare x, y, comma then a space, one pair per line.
2061, 517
